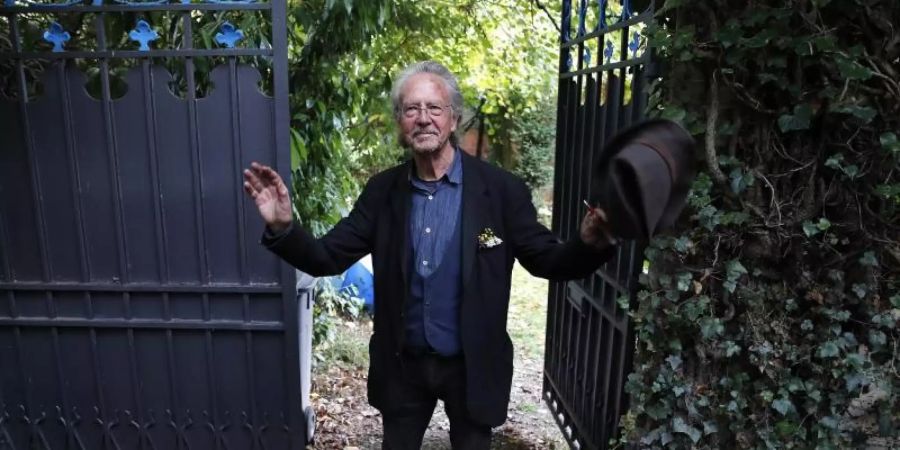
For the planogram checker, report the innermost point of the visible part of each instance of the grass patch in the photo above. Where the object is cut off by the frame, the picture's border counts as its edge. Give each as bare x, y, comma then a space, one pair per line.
527, 320
349, 348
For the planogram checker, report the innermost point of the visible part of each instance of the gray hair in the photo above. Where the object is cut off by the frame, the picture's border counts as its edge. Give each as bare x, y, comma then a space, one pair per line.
434, 68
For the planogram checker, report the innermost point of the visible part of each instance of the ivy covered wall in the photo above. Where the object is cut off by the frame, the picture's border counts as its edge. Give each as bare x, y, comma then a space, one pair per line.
769, 318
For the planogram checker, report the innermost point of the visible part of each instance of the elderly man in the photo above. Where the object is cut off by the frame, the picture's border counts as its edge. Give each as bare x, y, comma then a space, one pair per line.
443, 229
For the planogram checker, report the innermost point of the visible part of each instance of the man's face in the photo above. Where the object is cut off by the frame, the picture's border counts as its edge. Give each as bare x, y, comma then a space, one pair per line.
427, 129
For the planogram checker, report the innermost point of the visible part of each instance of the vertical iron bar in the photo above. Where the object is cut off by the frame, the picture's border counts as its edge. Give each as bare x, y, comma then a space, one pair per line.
576, 359
638, 99
583, 406
251, 374
173, 384
251, 381
4, 245
98, 369
238, 162
623, 75
61, 385
571, 122
211, 376
112, 153
609, 338
571, 317
5, 268
36, 195
598, 370
196, 158
158, 208
74, 172
136, 385
26, 380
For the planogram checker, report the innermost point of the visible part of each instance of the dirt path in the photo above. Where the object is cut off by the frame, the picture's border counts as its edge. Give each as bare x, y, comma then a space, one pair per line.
346, 421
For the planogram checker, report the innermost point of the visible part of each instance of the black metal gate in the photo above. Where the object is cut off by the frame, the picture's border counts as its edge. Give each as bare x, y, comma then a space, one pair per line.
137, 310
589, 338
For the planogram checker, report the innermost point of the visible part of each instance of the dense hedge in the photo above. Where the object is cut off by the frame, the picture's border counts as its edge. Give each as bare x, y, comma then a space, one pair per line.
769, 319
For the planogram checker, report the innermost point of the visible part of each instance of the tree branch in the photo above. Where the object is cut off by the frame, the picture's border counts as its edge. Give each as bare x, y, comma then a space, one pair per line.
547, 12
712, 117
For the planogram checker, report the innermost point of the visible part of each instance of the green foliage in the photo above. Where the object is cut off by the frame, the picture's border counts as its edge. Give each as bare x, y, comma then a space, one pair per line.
534, 135
769, 318
332, 305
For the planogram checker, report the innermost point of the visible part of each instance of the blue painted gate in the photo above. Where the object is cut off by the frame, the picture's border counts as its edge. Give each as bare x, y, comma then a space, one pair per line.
137, 310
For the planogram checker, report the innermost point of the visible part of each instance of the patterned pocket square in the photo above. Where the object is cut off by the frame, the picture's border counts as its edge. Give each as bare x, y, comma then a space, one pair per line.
487, 239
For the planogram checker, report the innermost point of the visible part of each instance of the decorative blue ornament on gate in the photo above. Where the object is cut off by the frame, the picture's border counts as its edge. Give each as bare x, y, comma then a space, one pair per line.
229, 35
635, 43
57, 36
143, 34
608, 53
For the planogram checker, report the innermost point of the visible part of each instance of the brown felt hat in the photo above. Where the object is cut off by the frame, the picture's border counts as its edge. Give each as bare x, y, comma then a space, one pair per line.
643, 177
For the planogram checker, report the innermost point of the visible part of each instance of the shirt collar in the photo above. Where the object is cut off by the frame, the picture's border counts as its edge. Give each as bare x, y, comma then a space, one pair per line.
453, 176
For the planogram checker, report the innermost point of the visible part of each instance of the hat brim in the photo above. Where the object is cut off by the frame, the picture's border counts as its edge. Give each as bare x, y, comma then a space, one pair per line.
643, 177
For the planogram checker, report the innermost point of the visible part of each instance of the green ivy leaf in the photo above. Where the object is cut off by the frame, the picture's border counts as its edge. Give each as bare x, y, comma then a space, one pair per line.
734, 270
711, 327
889, 191
740, 180
732, 349
674, 114
783, 406
825, 42
730, 33
658, 411
863, 113
760, 39
684, 281
683, 244
807, 325
853, 382
785, 428
674, 361
828, 350
877, 337
868, 259
852, 70
829, 422
799, 120
890, 143
810, 229
709, 217
680, 426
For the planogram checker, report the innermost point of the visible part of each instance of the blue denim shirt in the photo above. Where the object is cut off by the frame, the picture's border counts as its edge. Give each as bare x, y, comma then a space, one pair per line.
432, 313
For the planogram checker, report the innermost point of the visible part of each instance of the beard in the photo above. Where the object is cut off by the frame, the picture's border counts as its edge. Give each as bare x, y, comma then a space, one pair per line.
424, 142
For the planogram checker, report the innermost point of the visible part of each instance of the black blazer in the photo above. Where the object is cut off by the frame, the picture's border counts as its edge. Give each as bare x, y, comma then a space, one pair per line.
378, 224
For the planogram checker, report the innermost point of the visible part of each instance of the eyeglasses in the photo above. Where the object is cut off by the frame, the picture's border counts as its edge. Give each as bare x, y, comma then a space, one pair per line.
410, 111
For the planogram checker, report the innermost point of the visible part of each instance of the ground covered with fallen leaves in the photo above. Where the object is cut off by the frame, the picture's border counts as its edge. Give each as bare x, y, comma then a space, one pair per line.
344, 420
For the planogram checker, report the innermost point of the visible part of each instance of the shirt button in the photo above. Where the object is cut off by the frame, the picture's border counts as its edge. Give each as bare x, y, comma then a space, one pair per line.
428, 230
430, 197
424, 263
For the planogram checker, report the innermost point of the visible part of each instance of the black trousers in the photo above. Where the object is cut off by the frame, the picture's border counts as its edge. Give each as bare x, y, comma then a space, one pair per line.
414, 394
